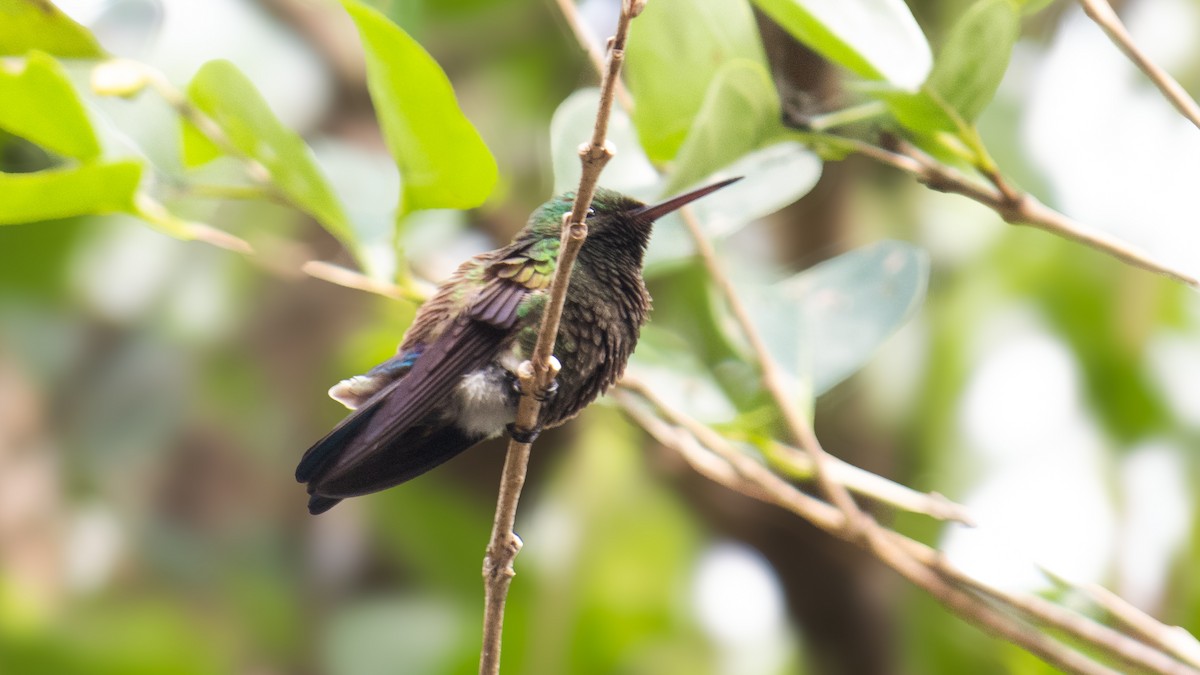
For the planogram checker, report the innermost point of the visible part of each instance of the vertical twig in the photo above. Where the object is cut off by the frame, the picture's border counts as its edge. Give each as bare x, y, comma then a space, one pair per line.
538, 373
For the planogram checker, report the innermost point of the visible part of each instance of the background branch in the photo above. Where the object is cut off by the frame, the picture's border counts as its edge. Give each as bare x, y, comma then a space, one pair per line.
1105, 17
1012, 205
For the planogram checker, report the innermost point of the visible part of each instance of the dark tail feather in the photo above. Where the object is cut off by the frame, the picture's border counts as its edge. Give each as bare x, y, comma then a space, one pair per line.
318, 504
411, 454
328, 448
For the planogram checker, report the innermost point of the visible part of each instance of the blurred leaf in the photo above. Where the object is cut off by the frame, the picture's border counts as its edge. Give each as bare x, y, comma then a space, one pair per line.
1030, 7
443, 161
629, 171
605, 608
964, 79
197, 149
135, 637
38, 24
667, 363
775, 176
739, 114
876, 39
61, 193
824, 324
971, 64
669, 70
222, 92
41, 106
385, 636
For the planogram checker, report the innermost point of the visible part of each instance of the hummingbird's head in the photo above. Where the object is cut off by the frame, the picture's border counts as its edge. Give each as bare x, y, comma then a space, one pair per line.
615, 219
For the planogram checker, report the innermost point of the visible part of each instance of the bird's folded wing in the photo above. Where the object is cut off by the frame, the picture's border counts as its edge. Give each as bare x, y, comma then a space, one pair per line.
470, 343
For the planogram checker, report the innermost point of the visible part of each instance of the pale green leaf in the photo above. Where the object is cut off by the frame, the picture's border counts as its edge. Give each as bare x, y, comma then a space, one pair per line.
823, 324
442, 159
223, 93
675, 49
37, 24
88, 189
679, 378
774, 177
740, 113
38, 103
875, 39
970, 66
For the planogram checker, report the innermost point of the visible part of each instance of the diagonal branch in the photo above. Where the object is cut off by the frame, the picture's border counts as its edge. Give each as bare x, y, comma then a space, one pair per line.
538, 373
1103, 14
973, 600
1012, 205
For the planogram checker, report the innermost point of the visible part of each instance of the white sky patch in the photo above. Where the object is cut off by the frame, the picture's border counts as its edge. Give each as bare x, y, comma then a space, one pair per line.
1174, 362
125, 272
1042, 498
740, 605
93, 547
1155, 522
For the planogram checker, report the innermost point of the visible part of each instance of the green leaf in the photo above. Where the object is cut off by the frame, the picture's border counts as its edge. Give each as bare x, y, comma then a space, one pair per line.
679, 378
196, 148
629, 171
41, 106
223, 93
62, 193
739, 114
37, 24
669, 69
972, 62
824, 324
775, 176
442, 159
875, 39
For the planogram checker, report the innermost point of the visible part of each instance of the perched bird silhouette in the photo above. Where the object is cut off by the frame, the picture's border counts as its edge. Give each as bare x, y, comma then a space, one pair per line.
452, 382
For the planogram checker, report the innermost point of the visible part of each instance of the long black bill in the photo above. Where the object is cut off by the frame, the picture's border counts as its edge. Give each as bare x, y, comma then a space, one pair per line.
653, 212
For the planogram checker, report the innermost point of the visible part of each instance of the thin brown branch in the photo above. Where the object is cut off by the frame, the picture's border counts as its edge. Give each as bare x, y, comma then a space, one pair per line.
1173, 639
348, 278
1104, 16
726, 465
1015, 207
773, 376
800, 465
537, 374
756, 481
1112, 643
592, 46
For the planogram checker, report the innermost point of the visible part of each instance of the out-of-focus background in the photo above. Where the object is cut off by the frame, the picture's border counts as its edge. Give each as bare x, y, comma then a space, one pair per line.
156, 394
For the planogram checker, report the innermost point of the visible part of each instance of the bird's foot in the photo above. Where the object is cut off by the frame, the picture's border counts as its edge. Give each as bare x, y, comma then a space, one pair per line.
550, 392
522, 435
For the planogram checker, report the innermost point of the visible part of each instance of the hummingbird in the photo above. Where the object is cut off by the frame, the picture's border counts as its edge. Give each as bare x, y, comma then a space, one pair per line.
453, 382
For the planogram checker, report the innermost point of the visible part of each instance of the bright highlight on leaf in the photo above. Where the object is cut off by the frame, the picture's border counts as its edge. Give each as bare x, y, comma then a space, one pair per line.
442, 159
227, 96
63, 193
38, 103
875, 39
27, 25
